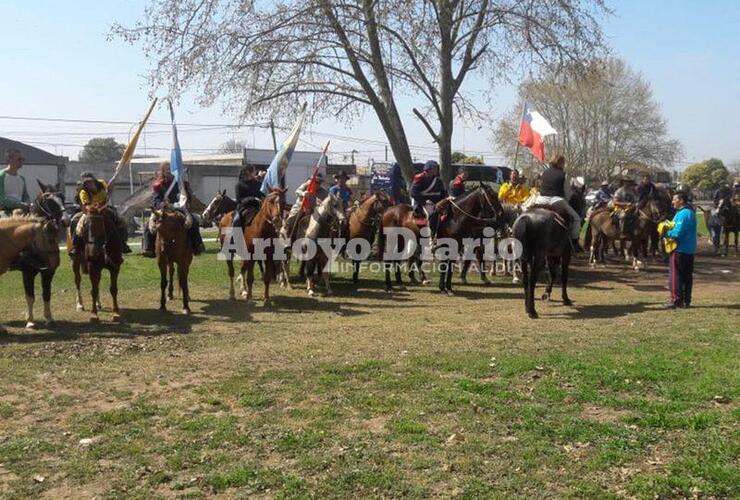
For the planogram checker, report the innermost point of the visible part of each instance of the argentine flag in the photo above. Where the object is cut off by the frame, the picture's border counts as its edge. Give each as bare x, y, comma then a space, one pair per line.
276, 171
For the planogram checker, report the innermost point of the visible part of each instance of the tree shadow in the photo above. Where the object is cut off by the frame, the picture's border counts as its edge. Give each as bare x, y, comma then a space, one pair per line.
606, 311
300, 304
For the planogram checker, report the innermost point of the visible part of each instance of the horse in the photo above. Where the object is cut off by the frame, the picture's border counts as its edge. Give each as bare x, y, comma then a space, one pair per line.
220, 205
264, 226
320, 225
172, 248
396, 217
467, 217
603, 229
364, 222
545, 236
729, 218
102, 250
39, 237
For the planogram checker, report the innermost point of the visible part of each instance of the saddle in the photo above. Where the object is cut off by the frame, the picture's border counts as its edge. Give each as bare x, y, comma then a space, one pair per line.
561, 215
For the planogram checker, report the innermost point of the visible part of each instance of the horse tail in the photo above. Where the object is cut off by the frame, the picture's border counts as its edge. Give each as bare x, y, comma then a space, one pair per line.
519, 232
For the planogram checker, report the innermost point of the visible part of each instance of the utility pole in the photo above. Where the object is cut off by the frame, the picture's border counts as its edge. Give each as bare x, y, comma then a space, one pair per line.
272, 129
353, 156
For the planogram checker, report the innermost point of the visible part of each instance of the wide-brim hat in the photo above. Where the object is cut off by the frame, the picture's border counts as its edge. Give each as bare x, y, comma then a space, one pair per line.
604, 183
430, 165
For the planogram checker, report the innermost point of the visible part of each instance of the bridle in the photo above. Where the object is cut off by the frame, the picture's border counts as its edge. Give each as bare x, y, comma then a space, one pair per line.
488, 205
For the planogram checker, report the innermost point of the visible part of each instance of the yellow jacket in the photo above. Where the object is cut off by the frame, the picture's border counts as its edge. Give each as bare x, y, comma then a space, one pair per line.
99, 198
515, 194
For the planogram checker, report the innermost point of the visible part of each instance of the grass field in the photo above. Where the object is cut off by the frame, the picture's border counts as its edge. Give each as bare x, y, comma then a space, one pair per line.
368, 395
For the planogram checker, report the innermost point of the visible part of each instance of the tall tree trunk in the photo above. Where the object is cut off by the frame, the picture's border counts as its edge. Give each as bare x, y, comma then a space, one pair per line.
446, 95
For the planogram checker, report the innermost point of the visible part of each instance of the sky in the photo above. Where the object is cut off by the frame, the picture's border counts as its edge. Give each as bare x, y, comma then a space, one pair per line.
58, 62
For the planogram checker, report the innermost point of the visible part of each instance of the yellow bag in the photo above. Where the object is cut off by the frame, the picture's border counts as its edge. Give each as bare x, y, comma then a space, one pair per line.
669, 244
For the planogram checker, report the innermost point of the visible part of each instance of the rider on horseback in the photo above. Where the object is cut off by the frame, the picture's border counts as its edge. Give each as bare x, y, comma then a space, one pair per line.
427, 189
93, 193
161, 186
646, 189
552, 192
300, 193
13, 192
514, 191
249, 196
457, 185
340, 188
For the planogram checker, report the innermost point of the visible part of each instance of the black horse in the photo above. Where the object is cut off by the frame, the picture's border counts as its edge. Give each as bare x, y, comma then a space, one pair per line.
545, 238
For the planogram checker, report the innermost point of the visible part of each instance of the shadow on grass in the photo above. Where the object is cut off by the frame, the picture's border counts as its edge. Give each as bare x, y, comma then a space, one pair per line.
134, 323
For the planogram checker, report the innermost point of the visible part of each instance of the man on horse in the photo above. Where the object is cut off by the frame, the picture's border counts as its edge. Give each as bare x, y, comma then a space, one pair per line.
553, 193
340, 188
249, 196
301, 192
514, 191
457, 185
427, 189
646, 189
94, 192
161, 187
725, 192
626, 194
13, 192
603, 195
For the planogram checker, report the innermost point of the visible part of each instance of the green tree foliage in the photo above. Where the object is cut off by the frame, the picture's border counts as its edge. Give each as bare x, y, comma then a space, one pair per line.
101, 150
461, 158
707, 175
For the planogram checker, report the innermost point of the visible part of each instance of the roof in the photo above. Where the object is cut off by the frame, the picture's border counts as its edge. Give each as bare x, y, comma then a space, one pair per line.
31, 154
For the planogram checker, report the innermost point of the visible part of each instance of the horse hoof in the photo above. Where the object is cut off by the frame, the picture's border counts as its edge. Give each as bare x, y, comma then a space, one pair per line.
388, 289
244, 294
268, 303
232, 298
116, 317
94, 319
30, 325
311, 293
546, 296
426, 282
401, 288
162, 308
567, 302
186, 312
515, 280
80, 307
450, 293
533, 315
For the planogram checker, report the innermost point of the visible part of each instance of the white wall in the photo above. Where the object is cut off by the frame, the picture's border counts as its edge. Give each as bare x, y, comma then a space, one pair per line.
48, 174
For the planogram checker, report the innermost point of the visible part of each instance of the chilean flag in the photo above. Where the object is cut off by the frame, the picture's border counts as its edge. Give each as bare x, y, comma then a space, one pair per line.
532, 131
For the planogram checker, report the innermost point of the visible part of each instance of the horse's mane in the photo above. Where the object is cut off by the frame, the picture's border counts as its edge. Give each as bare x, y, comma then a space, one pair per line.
18, 220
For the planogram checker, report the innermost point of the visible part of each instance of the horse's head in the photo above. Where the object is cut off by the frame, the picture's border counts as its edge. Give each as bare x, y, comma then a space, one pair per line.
168, 224
45, 242
216, 207
491, 207
332, 208
49, 205
379, 203
273, 206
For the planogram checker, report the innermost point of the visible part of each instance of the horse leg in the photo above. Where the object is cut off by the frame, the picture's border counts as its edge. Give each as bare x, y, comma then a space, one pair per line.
171, 283
163, 285
551, 266
285, 275
528, 301
267, 278
230, 268
249, 265
355, 271
46, 277
448, 275
442, 278
29, 276
114, 271
325, 276
182, 278
95, 272
464, 272
564, 270
399, 281
387, 266
78, 282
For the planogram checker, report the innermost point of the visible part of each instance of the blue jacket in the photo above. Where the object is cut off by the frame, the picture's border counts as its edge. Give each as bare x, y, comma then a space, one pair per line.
344, 193
684, 231
425, 187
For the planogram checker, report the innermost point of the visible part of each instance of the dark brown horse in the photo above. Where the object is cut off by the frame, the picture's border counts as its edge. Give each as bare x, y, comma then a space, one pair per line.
545, 238
102, 250
467, 216
220, 205
394, 218
364, 223
172, 247
264, 226
729, 219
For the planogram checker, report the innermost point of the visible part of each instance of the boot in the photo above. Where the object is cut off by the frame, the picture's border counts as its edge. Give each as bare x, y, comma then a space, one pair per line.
196, 241
123, 234
576, 246
147, 244
30, 259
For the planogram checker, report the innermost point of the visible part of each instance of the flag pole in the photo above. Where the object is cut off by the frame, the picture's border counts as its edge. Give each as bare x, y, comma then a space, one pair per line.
128, 153
518, 144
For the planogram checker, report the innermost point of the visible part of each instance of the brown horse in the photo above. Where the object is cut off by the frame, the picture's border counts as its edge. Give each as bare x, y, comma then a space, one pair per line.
401, 217
468, 216
264, 226
172, 248
603, 229
102, 250
38, 236
364, 223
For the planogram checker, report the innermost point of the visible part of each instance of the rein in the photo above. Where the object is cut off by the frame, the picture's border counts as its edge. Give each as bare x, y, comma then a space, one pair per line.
475, 217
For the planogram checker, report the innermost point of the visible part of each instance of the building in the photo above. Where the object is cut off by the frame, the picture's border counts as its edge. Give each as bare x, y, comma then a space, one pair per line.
39, 165
637, 170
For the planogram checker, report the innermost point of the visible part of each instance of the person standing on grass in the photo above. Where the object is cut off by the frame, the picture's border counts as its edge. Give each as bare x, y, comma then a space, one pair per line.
13, 192
681, 263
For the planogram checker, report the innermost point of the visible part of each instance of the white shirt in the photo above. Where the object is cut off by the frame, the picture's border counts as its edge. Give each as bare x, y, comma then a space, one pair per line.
14, 186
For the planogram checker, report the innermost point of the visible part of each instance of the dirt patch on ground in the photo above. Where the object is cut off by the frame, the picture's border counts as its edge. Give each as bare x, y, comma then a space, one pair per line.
604, 415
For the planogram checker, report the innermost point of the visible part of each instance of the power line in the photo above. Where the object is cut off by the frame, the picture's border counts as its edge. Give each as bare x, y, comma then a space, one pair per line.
121, 122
